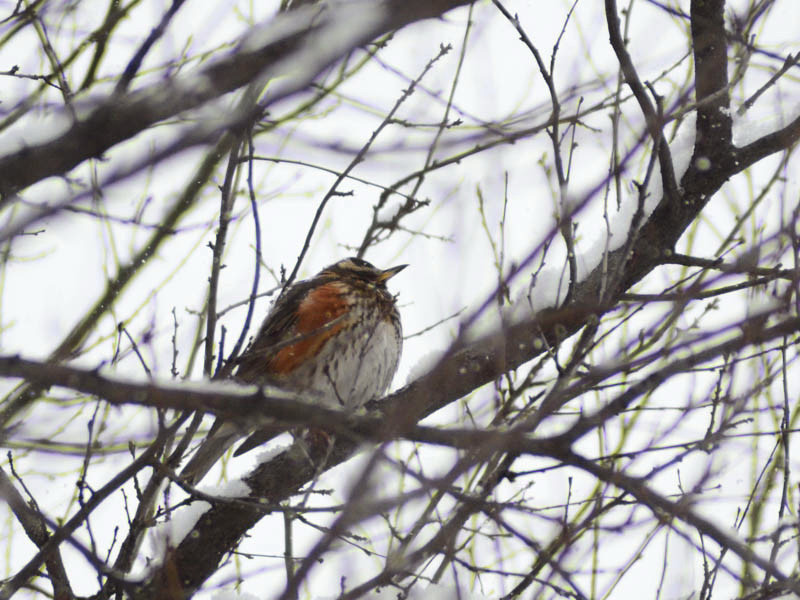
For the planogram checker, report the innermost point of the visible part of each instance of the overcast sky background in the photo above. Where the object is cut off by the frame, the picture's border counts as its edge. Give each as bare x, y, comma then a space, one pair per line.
57, 275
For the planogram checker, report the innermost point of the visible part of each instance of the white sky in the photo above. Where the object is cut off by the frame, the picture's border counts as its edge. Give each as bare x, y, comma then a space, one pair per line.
59, 274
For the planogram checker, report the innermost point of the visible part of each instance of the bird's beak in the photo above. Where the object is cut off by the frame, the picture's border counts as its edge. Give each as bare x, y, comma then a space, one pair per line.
389, 273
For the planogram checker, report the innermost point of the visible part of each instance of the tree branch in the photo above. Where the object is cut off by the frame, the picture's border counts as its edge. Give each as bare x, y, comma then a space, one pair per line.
293, 47
34, 525
710, 45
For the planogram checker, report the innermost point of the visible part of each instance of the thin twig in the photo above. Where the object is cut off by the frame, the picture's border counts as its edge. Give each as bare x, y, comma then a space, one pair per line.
359, 157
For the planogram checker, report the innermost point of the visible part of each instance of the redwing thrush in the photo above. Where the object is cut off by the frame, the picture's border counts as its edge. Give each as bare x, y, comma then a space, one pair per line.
348, 341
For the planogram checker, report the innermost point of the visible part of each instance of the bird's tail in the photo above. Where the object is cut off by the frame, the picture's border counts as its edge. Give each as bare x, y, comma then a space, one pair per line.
219, 439
259, 438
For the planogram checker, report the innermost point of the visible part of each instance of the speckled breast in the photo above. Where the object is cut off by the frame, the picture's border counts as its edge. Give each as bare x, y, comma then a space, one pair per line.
356, 365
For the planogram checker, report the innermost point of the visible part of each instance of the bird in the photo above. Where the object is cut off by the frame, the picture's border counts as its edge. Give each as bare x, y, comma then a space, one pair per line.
335, 339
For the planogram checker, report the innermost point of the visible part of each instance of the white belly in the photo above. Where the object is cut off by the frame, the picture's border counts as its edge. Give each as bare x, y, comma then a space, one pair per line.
356, 372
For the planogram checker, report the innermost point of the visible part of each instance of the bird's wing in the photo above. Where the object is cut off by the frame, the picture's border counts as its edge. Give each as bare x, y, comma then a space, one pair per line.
295, 330
277, 326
